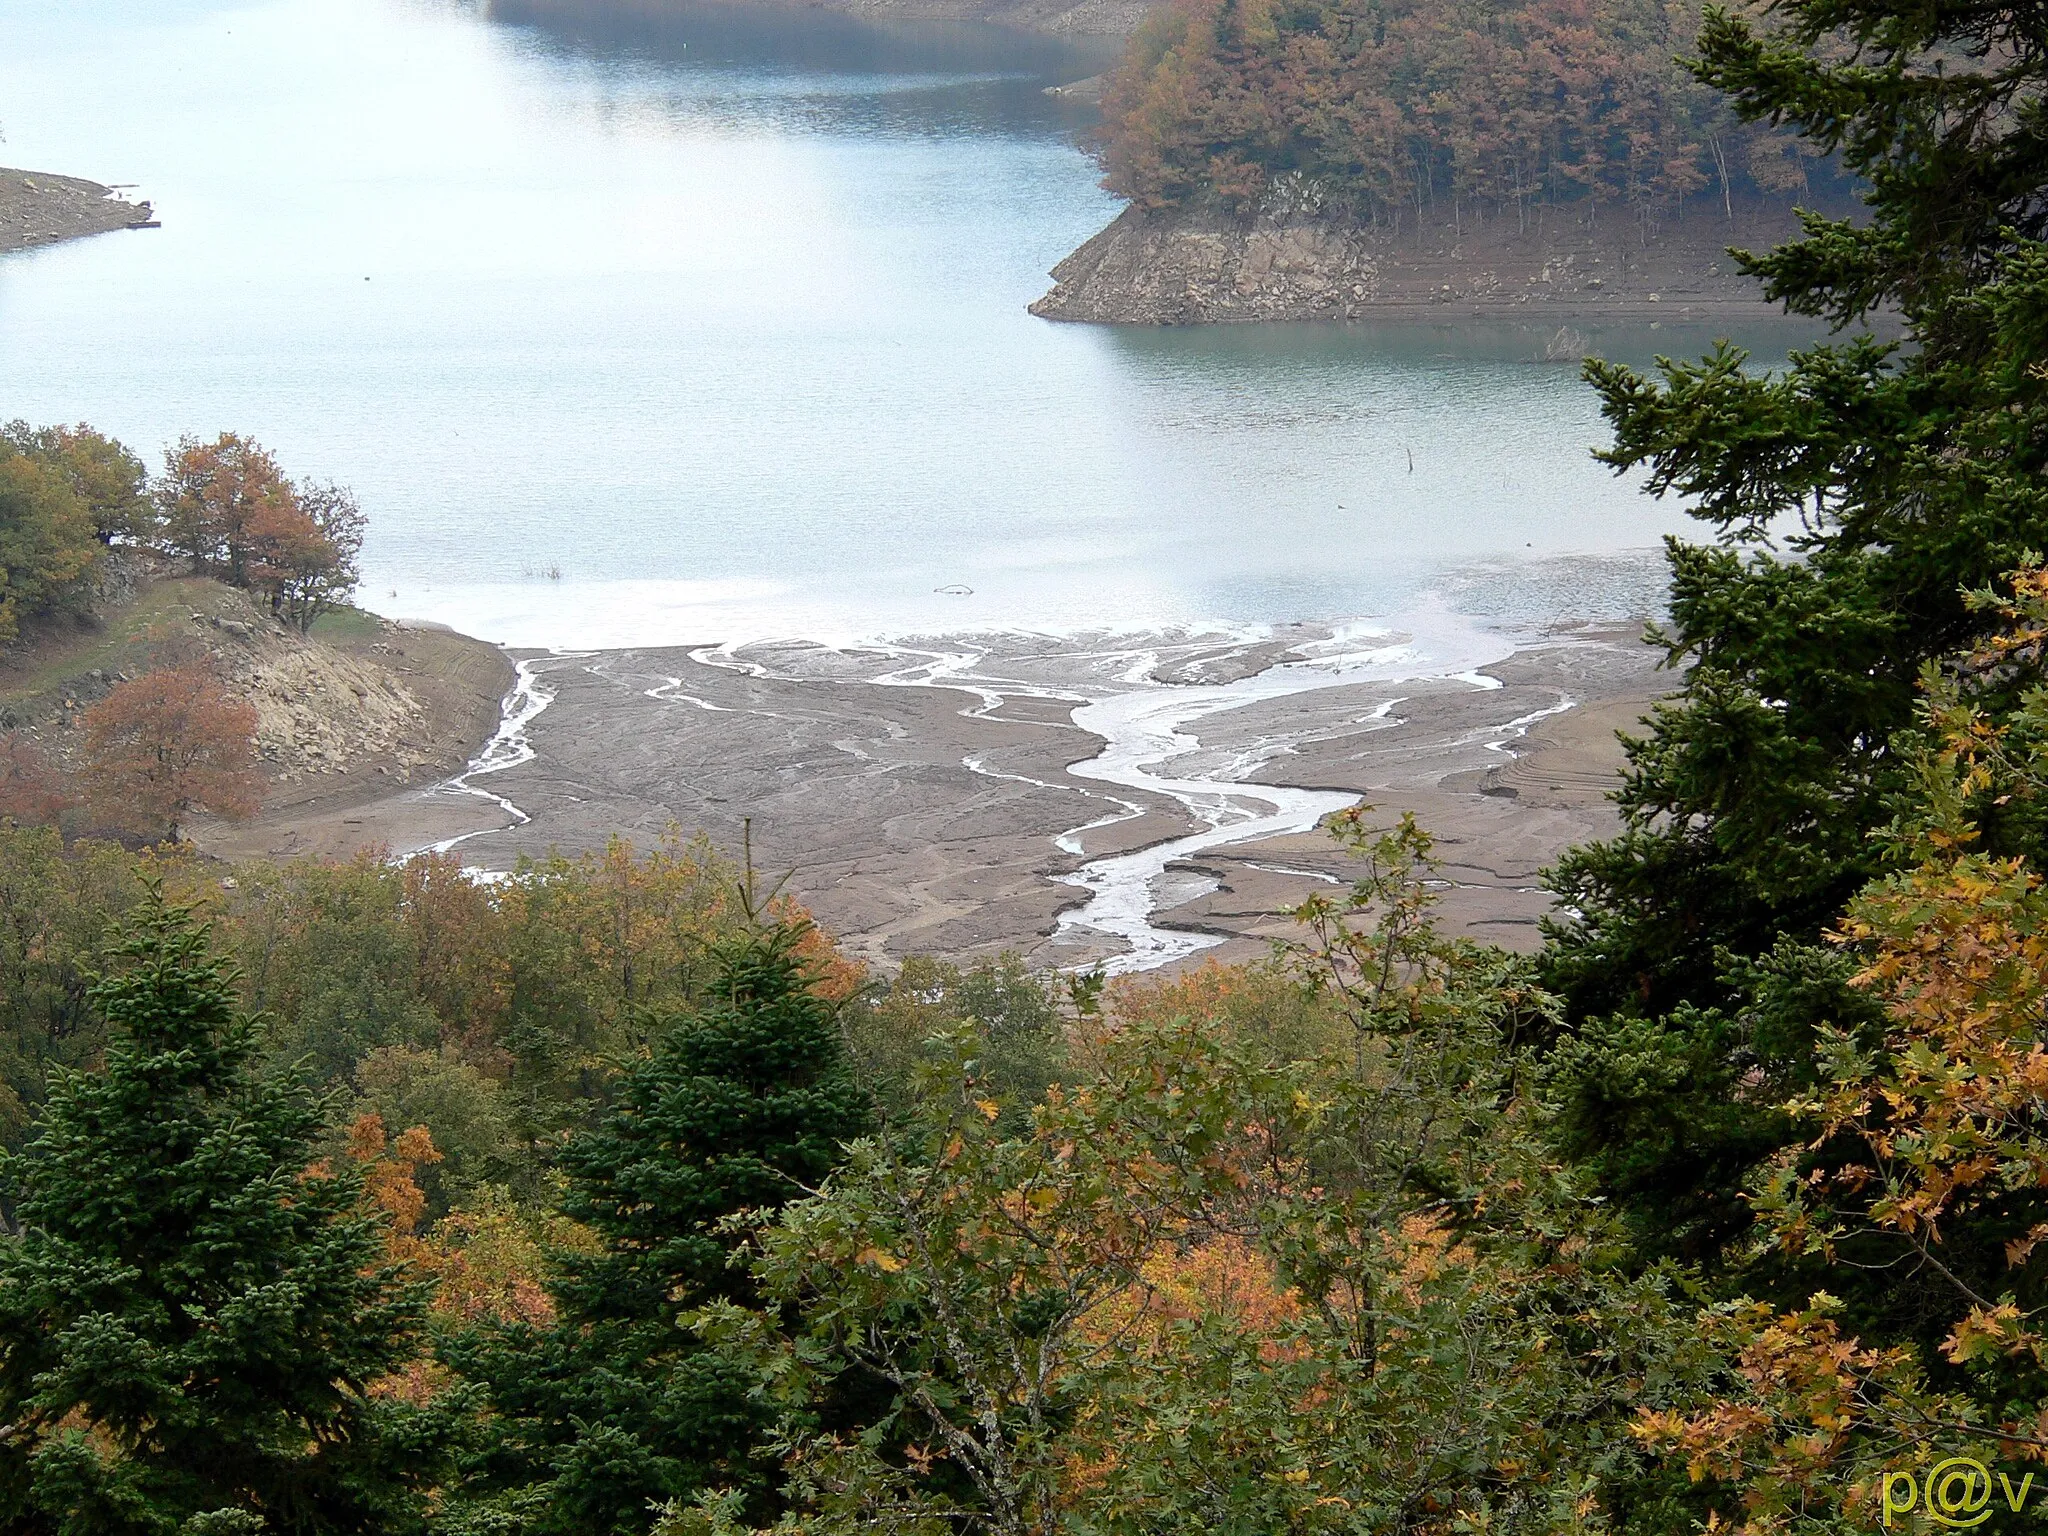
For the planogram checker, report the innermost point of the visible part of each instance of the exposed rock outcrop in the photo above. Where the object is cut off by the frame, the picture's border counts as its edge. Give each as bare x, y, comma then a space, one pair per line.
366, 704
1296, 262
322, 711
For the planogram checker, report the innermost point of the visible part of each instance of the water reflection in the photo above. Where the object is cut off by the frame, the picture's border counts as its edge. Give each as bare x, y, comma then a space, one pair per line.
795, 69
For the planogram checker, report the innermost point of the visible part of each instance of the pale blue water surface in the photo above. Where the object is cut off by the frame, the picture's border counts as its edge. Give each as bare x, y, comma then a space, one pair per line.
719, 314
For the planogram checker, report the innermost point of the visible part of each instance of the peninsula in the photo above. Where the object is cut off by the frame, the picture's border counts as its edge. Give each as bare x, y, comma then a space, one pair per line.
40, 209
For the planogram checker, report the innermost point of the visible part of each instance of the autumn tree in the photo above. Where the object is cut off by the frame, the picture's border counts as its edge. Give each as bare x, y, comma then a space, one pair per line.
166, 744
229, 509
1385, 109
106, 476
895, 1033
1919, 1154
208, 497
305, 550
33, 793
190, 1313
1213, 1287
49, 553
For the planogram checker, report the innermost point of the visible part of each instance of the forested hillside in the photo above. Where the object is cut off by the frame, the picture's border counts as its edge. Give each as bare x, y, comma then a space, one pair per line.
1393, 110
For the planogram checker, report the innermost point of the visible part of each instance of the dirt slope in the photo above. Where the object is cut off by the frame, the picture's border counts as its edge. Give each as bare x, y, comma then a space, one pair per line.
361, 706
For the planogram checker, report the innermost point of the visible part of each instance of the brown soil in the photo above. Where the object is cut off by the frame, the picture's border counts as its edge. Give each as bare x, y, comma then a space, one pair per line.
39, 209
1173, 268
342, 716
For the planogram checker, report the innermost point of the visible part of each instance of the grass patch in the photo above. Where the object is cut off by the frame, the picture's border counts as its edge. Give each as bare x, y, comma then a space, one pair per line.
120, 642
347, 624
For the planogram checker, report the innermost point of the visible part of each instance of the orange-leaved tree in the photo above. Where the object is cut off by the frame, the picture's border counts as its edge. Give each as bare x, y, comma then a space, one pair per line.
32, 791
209, 497
1385, 110
166, 744
229, 509
303, 551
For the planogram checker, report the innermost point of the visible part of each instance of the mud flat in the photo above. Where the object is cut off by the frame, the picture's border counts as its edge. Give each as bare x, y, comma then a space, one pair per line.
40, 209
1094, 799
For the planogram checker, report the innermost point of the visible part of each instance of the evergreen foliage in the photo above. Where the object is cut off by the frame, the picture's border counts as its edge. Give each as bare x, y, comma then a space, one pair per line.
1854, 499
742, 1105
191, 1316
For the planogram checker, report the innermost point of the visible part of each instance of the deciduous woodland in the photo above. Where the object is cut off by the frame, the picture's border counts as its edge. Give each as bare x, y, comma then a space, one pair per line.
610, 1198
1386, 111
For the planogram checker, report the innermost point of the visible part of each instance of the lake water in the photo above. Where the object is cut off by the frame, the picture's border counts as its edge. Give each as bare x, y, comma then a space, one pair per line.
634, 331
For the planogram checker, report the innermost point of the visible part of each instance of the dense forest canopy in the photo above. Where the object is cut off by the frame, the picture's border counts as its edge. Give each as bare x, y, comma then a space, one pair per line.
1377, 107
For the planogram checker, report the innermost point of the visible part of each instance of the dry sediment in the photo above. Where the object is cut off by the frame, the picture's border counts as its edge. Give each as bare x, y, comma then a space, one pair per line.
1292, 261
915, 820
40, 209
344, 720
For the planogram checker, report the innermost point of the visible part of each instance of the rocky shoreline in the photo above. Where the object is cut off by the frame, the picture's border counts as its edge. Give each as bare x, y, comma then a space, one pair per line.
39, 209
1295, 263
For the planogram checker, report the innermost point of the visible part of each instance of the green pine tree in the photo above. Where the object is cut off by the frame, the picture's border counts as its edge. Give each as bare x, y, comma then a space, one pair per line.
741, 1106
189, 1317
1853, 498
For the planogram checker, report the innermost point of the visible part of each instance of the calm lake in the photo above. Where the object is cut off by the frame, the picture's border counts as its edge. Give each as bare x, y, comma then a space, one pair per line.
712, 326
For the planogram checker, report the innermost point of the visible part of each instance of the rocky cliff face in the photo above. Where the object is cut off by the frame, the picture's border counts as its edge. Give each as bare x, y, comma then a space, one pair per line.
1181, 268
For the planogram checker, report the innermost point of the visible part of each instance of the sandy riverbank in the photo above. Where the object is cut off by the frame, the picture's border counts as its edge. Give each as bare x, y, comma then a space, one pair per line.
931, 796
40, 209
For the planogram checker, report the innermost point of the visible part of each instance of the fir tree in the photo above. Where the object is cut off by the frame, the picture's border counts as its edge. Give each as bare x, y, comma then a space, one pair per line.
1853, 499
191, 1312
741, 1106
